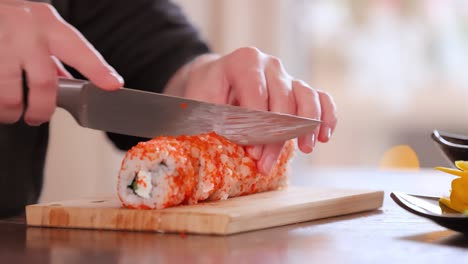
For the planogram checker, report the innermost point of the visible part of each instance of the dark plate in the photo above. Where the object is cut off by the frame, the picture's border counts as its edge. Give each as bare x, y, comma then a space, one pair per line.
429, 207
454, 146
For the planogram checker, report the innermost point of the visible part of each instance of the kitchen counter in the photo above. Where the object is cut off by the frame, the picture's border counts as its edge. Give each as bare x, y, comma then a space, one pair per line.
387, 235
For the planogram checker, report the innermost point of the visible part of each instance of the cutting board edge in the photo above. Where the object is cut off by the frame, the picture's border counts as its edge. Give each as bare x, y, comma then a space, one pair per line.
160, 221
236, 222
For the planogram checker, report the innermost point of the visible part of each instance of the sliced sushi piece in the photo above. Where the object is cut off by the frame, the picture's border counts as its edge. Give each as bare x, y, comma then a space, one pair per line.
155, 174
205, 161
228, 158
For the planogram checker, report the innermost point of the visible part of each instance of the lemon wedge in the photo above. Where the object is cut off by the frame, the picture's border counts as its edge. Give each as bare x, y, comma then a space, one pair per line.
458, 200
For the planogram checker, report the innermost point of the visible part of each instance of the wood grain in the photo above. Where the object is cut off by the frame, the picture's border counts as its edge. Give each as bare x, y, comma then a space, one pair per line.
235, 215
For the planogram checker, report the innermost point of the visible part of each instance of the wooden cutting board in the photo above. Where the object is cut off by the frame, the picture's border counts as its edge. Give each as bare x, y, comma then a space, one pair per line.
240, 214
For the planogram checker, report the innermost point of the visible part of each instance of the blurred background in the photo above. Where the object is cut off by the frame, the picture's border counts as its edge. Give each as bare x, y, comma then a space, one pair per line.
396, 69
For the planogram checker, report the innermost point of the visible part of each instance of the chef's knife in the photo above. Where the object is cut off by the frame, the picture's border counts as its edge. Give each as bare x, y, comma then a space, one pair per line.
148, 115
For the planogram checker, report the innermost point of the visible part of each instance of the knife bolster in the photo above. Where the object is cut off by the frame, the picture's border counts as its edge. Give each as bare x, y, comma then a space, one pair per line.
69, 96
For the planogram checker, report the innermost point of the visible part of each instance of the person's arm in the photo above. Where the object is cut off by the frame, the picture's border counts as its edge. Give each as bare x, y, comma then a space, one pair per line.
146, 41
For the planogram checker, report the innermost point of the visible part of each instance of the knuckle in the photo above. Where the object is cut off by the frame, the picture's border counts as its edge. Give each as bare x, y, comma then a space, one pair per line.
325, 95
282, 81
11, 102
248, 54
44, 9
44, 82
275, 62
22, 13
10, 72
15, 21
308, 91
302, 85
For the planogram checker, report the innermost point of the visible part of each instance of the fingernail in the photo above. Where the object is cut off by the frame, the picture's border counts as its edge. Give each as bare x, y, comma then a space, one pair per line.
117, 77
309, 143
329, 133
268, 163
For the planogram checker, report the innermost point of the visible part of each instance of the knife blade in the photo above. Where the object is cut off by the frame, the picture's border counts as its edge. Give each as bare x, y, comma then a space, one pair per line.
148, 115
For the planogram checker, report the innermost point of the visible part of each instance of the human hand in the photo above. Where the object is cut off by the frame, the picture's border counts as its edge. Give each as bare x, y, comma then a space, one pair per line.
252, 79
34, 38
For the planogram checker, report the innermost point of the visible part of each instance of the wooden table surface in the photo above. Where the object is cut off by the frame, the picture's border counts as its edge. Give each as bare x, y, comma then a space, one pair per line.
388, 235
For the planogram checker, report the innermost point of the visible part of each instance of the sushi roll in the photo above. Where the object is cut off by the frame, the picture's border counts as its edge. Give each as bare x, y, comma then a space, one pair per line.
170, 171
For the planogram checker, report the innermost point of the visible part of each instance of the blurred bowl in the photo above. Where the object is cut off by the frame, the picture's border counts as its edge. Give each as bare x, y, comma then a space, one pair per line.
454, 146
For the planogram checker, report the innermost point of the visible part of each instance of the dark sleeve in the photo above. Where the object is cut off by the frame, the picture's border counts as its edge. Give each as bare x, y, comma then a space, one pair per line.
146, 41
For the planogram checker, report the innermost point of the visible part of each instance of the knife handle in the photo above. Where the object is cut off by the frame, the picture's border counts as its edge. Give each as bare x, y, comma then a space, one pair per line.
69, 93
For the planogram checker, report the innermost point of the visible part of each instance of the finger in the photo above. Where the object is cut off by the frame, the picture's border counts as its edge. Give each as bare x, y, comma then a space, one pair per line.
329, 117
249, 84
269, 157
61, 71
281, 100
255, 152
251, 92
308, 105
69, 45
11, 93
41, 74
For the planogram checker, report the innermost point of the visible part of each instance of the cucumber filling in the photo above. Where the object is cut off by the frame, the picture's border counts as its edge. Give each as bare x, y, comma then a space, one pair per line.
141, 184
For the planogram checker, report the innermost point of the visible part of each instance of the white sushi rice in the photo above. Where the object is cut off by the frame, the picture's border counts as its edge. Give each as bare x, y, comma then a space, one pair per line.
143, 183
157, 171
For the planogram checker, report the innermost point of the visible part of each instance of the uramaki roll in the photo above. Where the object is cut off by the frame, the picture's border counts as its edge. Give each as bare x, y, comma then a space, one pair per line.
170, 171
